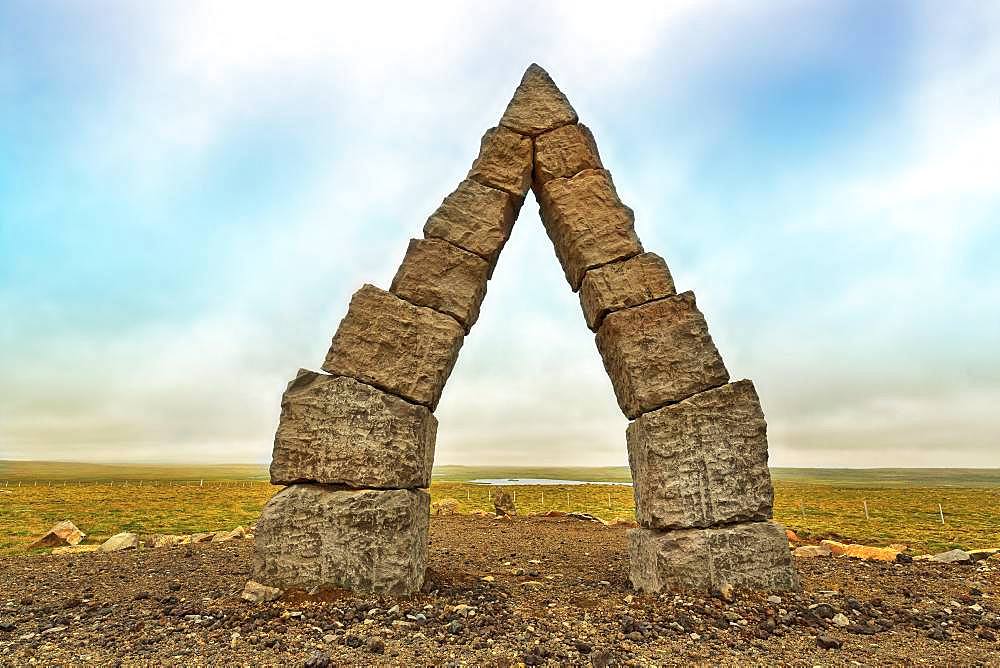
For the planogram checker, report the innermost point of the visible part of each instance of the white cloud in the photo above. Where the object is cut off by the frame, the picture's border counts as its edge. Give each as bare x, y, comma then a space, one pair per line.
394, 99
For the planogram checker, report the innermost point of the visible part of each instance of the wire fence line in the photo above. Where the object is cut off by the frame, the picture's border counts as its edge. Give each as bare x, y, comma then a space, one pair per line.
561, 496
112, 482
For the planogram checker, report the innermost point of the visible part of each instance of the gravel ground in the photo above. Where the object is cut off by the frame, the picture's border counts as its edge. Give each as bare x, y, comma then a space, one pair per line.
533, 591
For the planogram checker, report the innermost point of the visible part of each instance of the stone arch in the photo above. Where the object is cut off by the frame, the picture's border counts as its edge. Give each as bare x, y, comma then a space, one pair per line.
355, 444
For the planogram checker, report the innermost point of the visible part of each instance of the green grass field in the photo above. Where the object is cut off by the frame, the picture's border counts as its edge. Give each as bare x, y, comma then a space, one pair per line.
816, 503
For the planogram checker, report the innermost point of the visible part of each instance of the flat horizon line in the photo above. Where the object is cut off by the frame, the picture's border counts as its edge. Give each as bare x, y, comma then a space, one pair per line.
497, 466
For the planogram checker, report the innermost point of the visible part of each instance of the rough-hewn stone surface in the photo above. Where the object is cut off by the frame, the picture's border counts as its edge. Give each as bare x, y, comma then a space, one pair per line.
659, 353
587, 223
121, 541
442, 276
503, 503
336, 430
618, 285
538, 105
363, 540
754, 555
388, 342
504, 161
475, 217
565, 152
702, 462
61, 534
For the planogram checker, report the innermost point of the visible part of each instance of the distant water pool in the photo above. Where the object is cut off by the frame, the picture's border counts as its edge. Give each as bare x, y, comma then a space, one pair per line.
543, 481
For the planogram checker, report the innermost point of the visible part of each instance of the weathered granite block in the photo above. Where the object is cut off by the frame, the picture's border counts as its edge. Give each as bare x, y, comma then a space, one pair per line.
336, 430
565, 152
538, 105
388, 342
750, 556
476, 218
702, 462
504, 161
443, 277
364, 540
587, 223
659, 353
619, 285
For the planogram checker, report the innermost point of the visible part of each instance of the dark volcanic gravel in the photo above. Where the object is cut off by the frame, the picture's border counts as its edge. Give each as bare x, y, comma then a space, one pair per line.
559, 595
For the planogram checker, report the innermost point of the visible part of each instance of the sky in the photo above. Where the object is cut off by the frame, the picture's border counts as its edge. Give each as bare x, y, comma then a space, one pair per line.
191, 192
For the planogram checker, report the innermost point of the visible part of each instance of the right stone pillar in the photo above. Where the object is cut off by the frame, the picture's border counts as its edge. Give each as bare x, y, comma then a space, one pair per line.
697, 443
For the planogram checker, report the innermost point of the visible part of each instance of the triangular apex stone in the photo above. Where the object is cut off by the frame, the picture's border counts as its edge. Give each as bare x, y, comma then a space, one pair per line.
538, 105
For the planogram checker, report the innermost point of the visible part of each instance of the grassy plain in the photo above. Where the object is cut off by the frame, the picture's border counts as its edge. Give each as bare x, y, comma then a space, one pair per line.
105, 499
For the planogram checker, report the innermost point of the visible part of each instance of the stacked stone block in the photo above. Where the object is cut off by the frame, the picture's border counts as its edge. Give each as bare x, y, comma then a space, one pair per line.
355, 445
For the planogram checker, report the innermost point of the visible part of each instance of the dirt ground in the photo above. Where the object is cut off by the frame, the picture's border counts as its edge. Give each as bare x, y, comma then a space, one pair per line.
555, 592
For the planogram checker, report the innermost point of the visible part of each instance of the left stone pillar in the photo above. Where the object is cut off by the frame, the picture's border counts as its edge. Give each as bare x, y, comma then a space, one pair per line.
355, 445
355, 449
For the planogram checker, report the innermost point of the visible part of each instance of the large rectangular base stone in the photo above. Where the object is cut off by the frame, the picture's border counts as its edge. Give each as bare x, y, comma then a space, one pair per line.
336, 430
659, 353
388, 342
749, 556
702, 462
372, 541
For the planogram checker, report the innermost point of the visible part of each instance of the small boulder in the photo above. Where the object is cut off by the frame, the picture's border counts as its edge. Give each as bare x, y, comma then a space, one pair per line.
255, 592
62, 534
73, 549
866, 553
628, 524
980, 555
727, 592
446, 506
503, 503
205, 537
792, 536
812, 551
554, 513
827, 642
841, 620
222, 536
166, 540
952, 557
586, 517
120, 541
835, 547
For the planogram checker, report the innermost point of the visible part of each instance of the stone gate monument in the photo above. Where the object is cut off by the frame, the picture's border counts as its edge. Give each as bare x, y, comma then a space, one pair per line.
355, 445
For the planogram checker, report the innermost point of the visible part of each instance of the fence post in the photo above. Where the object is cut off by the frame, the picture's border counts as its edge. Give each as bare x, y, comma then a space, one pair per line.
865, 501
941, 512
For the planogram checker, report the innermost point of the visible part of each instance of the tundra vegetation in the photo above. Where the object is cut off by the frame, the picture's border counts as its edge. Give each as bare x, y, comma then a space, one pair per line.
106, 499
